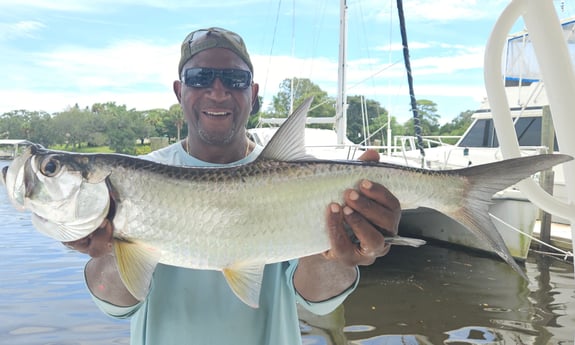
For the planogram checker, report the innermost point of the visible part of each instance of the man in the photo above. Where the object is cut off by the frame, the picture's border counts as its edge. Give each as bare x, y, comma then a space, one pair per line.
185, 306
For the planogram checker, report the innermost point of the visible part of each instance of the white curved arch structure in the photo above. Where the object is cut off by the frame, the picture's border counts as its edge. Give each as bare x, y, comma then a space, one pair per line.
556, 68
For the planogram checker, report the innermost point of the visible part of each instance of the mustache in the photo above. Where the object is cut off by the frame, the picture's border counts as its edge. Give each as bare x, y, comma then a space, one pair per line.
214, 104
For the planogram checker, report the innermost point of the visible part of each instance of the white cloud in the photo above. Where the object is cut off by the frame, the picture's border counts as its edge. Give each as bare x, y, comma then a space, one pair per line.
9, 31
122, 64
52, 102
437, 65
100, 5
136, 73
444, 10
399, 47
59, 5
70, 75
139, 73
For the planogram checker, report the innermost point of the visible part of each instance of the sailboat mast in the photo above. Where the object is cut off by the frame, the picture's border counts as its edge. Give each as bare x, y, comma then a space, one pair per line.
341, 102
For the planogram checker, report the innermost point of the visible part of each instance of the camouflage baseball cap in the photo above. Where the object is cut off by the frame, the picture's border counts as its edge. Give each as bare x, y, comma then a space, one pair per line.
203, 39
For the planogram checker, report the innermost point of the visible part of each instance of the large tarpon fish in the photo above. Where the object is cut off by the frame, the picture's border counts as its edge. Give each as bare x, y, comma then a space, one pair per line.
237, 219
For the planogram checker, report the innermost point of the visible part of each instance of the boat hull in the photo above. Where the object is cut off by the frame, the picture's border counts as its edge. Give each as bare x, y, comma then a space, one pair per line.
517, 212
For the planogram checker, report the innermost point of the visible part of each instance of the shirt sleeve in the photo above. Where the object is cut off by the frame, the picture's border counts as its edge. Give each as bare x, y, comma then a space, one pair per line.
110, 309
323, 307
115, 311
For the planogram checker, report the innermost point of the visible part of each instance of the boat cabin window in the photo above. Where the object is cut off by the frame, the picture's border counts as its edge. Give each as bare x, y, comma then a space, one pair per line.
482, 134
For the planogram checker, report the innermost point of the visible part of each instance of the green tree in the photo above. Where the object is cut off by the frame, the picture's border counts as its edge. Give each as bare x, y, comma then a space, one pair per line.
155, 119
11, 124
72, 127
174, 121
376, 117
41, 128
429, 118
123, 127
255, 118
322, 105
458, 125
378, 129
31, 125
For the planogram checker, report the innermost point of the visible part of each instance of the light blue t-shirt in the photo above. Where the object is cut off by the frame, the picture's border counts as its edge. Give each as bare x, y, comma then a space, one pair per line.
188, 306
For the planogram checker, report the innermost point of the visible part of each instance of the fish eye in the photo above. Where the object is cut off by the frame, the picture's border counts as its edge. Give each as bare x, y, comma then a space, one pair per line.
50, 167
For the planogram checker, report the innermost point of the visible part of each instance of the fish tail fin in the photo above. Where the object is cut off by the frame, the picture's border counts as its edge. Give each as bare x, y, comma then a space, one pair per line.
487, 179
136, 263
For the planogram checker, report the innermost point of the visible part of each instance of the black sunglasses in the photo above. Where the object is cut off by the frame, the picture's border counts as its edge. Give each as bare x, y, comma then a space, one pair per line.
201, 77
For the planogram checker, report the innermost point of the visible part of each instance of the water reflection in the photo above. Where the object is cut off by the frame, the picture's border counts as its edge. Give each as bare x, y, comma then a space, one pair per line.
429, 295
438, 295
43, 299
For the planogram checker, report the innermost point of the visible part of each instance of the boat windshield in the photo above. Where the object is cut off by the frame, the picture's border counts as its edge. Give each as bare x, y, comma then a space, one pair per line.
482, 133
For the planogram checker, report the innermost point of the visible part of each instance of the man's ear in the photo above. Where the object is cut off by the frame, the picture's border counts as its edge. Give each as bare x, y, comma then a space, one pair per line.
177, 85
255, 100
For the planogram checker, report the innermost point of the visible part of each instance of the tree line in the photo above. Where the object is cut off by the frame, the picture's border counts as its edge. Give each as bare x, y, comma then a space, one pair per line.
120, 128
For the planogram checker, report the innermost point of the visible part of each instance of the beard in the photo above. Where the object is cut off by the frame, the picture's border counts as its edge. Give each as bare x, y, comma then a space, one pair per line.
217, 139
217, 136
217, 130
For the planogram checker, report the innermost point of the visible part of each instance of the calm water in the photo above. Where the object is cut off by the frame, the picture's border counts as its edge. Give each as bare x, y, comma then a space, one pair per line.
428, 295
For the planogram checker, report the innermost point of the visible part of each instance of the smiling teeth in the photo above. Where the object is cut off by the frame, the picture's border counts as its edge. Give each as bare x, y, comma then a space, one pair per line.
220, 113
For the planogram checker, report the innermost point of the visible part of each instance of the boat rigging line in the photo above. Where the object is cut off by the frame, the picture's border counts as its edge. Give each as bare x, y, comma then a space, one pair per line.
416, 119
566, 254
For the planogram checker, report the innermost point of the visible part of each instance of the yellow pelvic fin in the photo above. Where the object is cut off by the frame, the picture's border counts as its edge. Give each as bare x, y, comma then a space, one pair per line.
136, 263
245, 280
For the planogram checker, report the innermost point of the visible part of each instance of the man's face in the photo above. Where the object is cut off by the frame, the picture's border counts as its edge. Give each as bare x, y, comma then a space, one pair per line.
216, 114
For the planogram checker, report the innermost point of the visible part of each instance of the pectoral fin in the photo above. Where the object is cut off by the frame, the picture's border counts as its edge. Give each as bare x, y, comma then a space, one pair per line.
245, 280
136, 263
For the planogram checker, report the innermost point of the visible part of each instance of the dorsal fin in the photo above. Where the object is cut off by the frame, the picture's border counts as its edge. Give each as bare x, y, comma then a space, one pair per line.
288, 143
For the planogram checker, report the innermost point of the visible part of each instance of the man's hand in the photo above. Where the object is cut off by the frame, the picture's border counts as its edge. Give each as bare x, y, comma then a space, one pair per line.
102, 276
371, 206
365, 210
97, 244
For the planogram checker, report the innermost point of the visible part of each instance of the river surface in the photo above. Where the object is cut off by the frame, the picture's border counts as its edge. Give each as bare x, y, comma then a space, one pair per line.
429, 295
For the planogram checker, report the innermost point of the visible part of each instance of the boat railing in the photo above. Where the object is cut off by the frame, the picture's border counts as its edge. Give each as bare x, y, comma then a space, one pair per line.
405, 146
408, 142
350, 150
442, 155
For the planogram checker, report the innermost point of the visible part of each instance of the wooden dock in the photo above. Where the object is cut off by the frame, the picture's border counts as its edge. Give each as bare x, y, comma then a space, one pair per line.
9, 148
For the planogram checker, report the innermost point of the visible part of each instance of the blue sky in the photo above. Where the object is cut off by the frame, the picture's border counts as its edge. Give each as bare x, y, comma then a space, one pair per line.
61, 52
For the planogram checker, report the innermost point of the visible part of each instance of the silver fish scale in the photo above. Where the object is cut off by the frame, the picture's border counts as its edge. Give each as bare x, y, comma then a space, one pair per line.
267, 211
248, 215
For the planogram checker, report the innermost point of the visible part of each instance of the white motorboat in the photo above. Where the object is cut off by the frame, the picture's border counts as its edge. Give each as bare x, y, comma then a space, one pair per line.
530, 110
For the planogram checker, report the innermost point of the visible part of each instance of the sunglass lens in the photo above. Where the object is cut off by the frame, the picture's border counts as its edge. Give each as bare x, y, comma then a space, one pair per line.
199, 77
236, 79
204, 77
